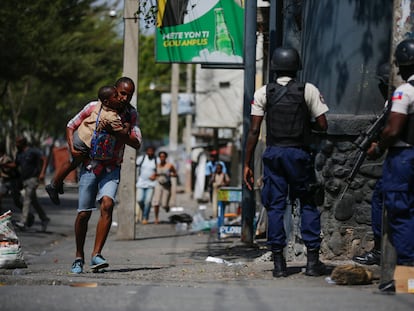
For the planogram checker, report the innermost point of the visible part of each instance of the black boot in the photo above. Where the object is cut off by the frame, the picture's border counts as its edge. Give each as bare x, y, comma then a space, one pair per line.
314, 267
279, 264
386, 288
373, 257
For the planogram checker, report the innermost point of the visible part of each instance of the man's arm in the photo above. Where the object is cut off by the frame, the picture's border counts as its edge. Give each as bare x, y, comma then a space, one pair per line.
134, 137
43, 169
69, 139
75, 122
320, 124
128, 139
252, 138
389, 135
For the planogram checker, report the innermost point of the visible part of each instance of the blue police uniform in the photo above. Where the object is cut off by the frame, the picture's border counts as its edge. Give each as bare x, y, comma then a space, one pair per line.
288, 169
376, 209
398, 181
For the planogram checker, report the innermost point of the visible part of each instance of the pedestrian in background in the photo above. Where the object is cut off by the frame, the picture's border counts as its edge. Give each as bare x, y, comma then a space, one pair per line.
162, 192
397, 139
146, 181
211, 168
99, 180
290, 106
31, 164
218, 180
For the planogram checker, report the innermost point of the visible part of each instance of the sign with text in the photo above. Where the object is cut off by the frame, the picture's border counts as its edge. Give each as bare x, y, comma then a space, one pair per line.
203, 32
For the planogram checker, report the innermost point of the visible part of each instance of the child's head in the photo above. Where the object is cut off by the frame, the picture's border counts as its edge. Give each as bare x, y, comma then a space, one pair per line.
108, 95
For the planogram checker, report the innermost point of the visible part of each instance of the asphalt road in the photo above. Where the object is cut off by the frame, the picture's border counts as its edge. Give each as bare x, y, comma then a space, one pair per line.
166, 269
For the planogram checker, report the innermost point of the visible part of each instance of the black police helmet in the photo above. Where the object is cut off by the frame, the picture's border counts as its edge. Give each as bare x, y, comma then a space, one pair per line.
285, 59
404, 53
383, 73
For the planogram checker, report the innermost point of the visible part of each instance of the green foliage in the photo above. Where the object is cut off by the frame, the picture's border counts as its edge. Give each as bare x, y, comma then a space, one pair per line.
154, 126
54, 57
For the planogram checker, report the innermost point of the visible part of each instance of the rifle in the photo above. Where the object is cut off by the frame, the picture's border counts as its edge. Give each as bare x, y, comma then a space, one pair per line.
363, 142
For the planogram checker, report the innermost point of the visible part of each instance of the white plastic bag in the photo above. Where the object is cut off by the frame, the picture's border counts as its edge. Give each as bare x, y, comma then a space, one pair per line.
11, 255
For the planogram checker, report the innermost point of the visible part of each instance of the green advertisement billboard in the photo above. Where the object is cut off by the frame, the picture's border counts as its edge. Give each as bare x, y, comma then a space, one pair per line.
200, 31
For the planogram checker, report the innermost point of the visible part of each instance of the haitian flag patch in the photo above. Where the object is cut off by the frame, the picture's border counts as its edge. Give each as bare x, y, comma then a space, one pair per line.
397, 96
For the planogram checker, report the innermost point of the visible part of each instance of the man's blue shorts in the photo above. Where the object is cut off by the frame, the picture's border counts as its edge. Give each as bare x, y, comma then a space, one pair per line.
92, 187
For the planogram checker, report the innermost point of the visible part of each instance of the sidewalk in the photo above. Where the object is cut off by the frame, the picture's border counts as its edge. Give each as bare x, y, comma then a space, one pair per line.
159, 252
169, 270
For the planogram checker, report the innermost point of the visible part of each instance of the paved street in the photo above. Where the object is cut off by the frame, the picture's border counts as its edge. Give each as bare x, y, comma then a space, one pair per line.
166, 269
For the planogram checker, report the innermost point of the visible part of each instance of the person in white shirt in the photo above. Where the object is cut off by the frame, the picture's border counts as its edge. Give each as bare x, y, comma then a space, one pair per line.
146, 181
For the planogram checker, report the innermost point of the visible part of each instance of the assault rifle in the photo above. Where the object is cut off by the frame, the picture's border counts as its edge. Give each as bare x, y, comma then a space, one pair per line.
363, 142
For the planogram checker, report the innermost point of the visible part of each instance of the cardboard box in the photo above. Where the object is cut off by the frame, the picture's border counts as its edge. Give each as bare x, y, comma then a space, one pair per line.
404, 279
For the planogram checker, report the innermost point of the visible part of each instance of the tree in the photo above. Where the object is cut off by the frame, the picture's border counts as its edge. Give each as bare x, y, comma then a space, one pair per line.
154, 126
54, 57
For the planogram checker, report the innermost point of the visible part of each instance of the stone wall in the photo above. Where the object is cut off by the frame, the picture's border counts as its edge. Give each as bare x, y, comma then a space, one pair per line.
346, 222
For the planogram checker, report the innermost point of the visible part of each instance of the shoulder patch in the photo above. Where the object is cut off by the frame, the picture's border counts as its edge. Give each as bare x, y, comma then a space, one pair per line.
321, 98
397, 96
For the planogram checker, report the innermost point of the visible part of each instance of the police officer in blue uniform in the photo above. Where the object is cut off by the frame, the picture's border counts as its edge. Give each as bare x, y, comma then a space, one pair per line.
373, 256
398, 168
292, 110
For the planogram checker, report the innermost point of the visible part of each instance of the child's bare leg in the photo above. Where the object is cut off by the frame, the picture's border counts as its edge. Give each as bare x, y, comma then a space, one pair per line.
56, 185
64, 171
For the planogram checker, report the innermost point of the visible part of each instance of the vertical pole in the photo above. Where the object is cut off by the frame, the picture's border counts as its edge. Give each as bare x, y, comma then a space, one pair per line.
188, 127
175, 80
127, 191
388, 254
173, 138
248, 201
275, 31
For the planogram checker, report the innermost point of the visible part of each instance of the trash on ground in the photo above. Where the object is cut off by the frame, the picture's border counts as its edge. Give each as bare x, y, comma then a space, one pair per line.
176, 209
181, 218
11, 255
351, 275
181, 227
266, 257
329, 280
200, 224
222, 261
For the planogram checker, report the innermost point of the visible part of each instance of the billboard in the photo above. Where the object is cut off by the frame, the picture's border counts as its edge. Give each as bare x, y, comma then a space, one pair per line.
201, 32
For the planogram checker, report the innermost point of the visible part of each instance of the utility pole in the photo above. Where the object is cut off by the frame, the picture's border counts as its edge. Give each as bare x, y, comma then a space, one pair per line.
388, 253
248, 201
188, 127
175, 82
127, 191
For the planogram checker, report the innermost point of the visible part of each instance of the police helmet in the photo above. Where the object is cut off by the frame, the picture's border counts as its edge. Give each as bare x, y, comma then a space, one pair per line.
404, 53
383, 73
285, 59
